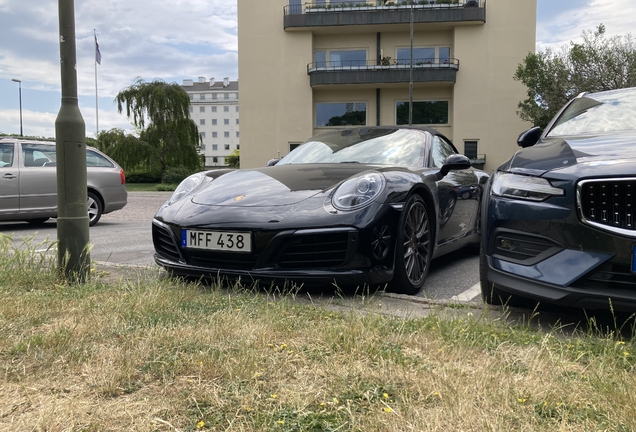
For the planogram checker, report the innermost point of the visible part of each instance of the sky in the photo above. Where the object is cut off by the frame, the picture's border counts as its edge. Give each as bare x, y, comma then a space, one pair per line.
175, 40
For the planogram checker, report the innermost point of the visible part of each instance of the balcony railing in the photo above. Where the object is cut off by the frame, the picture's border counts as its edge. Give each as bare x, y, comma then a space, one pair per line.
361, 5
384, 71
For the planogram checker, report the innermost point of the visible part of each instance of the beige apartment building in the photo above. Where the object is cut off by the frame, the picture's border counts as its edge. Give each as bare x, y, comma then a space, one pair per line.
308, 66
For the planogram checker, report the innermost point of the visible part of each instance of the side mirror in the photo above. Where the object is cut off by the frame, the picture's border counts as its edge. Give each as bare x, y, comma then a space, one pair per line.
454, 162
272, 162
529, 137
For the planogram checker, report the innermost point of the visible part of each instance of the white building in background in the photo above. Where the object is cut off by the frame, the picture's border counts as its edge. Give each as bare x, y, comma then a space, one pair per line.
214, 106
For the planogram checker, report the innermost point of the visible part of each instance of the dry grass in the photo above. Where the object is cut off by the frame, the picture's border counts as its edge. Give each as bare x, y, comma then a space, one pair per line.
158, 355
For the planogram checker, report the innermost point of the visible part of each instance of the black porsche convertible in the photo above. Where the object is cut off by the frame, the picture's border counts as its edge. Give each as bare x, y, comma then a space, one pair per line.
351, 207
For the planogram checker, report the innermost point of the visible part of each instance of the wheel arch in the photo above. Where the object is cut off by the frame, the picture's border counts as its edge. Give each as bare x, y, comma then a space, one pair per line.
98, 195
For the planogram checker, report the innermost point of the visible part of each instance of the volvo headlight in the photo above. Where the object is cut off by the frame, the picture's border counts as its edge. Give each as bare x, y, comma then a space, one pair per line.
523, 187
359, 191
188, 186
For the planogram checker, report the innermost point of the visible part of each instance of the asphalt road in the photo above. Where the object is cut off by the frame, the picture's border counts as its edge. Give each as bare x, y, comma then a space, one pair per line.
124, 237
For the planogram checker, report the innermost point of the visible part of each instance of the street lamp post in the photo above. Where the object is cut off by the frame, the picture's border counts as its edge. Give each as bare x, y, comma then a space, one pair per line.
20, 95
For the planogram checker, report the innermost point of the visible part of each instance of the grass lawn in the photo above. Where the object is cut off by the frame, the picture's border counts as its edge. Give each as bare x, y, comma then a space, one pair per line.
147, 353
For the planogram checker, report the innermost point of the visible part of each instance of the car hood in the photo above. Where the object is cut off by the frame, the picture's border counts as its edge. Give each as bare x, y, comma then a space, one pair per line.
274, 186
572, 154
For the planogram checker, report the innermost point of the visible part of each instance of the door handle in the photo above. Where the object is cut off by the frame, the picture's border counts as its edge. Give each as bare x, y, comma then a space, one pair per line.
9, 176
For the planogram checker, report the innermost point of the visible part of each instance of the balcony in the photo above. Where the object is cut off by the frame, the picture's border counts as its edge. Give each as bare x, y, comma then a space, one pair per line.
320, 14
373, 72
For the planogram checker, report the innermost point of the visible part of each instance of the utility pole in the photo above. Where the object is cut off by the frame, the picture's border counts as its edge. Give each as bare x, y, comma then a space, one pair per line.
70, 143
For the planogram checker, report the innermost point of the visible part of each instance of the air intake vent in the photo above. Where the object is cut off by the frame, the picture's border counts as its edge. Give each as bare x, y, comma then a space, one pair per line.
325, 250
164, 243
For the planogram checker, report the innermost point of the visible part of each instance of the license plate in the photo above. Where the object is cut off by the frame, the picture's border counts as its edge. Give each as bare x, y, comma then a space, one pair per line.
217, 240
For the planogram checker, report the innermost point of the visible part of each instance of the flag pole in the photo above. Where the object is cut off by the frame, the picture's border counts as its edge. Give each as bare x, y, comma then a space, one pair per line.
96, 96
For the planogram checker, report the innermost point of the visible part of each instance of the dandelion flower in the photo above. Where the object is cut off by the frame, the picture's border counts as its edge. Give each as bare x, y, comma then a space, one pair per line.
522, 400
387, 409
625, 353
283, 346
335, 400
273, 396
200, 424
281, 422
385, 395
323, 404
620, 343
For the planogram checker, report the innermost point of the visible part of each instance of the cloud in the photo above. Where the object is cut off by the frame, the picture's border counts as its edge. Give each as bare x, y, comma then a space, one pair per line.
558, 31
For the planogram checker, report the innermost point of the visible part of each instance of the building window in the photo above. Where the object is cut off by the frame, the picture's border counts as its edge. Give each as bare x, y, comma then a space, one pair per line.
226, 146
226, 109
226, 134
226, 96
424, 55
191, 96
213, 121
237, 121
202, 109
343, 58
238, 147
470, 149
215, 147
237, 108
202, 134
424, 112
293, 145
202, 96
213, 96
237, 135
213, 109
191, 109
226, 121
213, 134
341, 114
215, 159
203, 147
201, 122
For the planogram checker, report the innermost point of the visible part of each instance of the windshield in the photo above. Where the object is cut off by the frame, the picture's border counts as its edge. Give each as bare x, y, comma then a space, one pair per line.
596, 113
397, 147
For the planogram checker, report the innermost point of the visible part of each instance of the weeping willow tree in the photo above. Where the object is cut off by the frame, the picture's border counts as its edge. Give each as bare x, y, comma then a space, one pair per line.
167, 135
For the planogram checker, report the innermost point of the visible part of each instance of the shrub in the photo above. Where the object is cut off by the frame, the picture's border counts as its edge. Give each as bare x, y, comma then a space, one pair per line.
143, 177
175, 175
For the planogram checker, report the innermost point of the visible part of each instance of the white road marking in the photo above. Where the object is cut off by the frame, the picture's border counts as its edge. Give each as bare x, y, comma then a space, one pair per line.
469, 294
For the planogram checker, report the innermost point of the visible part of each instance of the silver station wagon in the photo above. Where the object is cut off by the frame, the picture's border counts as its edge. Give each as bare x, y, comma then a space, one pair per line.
28, 182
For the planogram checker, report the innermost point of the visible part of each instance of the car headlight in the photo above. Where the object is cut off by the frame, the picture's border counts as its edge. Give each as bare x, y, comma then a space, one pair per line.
187, 186
524, 187
359, 191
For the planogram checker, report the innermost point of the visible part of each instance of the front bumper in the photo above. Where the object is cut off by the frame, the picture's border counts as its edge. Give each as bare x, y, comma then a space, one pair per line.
344, 256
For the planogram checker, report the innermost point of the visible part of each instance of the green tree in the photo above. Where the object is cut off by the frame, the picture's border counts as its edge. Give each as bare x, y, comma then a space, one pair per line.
553, 78
233, 160
167, 134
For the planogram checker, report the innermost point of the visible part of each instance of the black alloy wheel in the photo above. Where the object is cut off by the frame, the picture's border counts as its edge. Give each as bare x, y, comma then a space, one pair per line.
413, 248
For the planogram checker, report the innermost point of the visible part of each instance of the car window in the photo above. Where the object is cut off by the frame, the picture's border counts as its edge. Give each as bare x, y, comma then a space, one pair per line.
94, 159
38, 155
397, 147
6, 155
598, 113
440, 151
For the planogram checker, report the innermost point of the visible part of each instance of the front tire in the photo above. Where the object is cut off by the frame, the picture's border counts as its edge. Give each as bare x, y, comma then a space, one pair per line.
95, 209
413, 249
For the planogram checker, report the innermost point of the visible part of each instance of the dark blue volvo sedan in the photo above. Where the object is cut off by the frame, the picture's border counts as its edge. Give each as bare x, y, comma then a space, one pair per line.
558, 217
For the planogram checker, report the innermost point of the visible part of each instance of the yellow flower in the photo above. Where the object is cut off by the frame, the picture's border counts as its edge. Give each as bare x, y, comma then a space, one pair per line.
323, 403
436, 394
238, 309
283, 346
385, 395
620, 343
273, 396
281, 422
246, 408
335, 400
387, 409
522, 400
625, 353
200, 424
